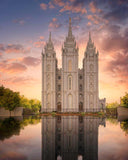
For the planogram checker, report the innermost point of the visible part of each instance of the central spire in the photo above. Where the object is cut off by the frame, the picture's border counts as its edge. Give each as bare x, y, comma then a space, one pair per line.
50, 40
90, 40
70, 28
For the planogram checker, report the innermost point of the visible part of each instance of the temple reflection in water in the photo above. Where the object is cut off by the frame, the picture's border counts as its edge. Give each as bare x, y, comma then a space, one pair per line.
70, 137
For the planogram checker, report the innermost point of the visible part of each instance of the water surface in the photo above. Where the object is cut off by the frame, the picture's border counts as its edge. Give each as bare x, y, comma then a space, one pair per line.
63, 137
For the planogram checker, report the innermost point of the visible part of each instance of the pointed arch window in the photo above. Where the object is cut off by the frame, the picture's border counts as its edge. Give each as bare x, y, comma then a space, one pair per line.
69, 82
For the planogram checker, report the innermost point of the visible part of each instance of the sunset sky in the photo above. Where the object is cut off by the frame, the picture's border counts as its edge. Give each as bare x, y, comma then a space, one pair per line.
24, 29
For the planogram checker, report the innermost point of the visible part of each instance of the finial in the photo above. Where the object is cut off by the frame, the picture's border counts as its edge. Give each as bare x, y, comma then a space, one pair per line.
50, 37
70, 28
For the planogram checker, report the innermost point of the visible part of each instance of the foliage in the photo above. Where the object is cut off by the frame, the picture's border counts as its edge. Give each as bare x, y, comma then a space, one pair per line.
12, 126
10, 100
9, 127
33, 104
124, 126
124, 100
112, 105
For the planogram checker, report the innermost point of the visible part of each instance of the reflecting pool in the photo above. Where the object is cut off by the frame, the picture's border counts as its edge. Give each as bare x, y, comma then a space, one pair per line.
63, 138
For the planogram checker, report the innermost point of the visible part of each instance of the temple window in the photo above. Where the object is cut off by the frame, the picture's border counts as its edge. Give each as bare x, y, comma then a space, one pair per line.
70, 82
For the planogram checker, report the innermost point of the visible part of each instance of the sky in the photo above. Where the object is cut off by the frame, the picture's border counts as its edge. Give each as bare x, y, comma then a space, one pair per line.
25, 27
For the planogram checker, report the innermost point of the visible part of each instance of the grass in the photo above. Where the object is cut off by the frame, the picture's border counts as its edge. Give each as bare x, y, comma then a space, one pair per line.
72, 113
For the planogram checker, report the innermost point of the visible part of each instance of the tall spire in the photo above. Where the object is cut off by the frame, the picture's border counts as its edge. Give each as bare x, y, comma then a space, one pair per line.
50, 40
90, 40
70, 28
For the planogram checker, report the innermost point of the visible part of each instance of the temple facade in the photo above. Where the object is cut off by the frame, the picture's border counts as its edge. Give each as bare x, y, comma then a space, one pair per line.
70, 89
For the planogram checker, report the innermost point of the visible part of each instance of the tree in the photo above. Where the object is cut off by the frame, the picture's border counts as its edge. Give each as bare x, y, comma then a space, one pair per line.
112, 105
124, 100
9, 99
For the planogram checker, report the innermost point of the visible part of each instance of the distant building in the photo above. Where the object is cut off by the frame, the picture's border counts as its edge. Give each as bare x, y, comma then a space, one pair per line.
70, 89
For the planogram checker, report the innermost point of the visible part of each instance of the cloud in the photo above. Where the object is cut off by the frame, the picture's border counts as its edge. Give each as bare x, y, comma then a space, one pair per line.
54, 24
1, 54
118, 13
59, 2
119, 65
31, 61
73, 8
12, 68
96, 19
93, 7
14, 48
20, 80
43, 6
2, 47
39, 44
19, 21
41, 37
50, 5
114, 40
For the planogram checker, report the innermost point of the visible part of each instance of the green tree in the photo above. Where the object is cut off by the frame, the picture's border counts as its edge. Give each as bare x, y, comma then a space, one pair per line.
124, 100
112, 105
9, 99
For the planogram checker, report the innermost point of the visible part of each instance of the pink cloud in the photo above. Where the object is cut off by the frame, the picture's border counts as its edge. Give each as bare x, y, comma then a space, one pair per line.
93, 7
54, 24
43, 6
12, 68
41, 37
39, 44
20, 81
14, 48
31, 61
59, 2
51, 6
73, 9
96, 19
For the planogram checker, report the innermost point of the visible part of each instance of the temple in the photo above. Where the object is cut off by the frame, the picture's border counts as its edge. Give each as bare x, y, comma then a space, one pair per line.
70, 89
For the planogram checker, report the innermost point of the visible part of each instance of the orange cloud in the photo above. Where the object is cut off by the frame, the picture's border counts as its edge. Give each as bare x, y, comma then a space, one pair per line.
96, 19
12, 68
31, 61
89, 24
51, 6
74, 9
43, 6
93, 7
54, 24
39, 44
41, 37
59, 2
14, 48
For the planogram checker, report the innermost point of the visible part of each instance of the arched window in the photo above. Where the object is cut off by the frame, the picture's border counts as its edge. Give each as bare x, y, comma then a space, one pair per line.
69, 82
80, 88
59, 87
69, 65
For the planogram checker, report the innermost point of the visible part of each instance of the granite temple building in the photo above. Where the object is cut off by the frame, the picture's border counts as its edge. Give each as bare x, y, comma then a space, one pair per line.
70, 89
